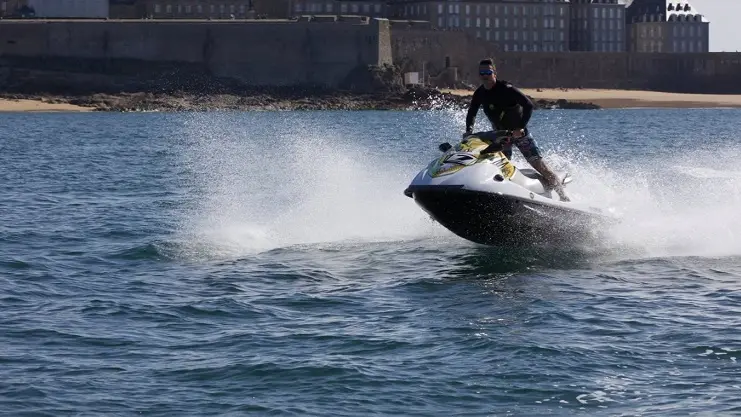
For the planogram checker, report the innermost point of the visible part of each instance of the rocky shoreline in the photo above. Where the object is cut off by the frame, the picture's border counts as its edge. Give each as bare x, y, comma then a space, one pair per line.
411, 99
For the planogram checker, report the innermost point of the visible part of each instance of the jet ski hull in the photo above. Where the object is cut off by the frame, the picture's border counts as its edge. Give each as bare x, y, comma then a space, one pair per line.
505, 220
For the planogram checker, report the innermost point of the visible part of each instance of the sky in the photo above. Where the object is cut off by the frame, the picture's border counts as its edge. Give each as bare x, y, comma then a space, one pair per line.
723, 16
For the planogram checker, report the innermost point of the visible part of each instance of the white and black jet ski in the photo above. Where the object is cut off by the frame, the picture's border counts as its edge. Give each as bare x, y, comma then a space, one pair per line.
476, 192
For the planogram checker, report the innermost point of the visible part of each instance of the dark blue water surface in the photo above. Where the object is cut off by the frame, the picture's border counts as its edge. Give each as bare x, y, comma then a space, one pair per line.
268, 264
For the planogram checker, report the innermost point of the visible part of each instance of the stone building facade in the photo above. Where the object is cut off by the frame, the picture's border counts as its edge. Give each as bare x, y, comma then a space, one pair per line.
667, 26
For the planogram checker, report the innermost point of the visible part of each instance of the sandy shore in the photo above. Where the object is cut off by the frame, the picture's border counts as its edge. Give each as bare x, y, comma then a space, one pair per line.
22, 105
629, 98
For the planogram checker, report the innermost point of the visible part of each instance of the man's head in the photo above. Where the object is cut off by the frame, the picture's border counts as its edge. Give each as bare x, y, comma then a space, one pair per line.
488, 72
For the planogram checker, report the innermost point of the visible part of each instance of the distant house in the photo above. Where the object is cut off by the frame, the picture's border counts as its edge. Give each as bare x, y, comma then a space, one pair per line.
666, 26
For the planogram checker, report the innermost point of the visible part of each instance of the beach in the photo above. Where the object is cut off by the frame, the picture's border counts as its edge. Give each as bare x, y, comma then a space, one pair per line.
628, 98
422, 99
27, 105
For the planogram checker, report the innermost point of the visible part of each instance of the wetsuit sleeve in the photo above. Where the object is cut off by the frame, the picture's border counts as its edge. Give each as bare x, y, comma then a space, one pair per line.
526, 103
473, 108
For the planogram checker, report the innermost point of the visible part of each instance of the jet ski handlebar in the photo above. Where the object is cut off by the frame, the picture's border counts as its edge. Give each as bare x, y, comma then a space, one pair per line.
495, 138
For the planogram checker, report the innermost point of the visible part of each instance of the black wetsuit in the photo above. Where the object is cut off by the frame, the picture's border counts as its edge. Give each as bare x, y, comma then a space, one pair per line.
504, 104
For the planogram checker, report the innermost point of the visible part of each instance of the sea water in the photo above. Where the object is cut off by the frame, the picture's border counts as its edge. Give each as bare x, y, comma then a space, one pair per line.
268, 263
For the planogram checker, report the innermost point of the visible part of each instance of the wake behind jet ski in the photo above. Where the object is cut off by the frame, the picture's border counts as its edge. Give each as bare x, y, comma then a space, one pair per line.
476, 192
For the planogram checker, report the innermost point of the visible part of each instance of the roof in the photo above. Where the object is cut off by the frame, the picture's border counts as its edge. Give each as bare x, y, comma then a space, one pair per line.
663, 11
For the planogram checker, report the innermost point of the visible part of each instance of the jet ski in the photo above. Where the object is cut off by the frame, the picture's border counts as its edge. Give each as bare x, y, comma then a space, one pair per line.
477, 193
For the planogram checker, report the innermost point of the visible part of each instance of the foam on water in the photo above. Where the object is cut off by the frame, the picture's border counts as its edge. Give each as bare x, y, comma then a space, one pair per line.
674, 204
260, 190
264, 190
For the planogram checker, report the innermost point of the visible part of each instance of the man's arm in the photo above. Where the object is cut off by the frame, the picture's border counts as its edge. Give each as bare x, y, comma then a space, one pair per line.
526, 103
473, 108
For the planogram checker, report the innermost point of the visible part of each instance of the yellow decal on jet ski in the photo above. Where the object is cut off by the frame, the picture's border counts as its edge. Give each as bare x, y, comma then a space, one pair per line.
472, 146
508, 170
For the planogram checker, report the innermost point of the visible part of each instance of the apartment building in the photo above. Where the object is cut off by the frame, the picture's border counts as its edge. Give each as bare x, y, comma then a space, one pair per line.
524, 25
666, 26
597, 25
372, 8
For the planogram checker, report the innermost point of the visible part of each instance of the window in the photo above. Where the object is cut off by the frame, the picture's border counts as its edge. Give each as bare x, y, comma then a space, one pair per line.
496, 36
439, 21
158, 10
199, 8
496, 22
488, 35
168, 9
439, 8
343, 8
231, 9
366, 8
488, 22
354, 8
478, 22
468, 22
376, 8
468, 9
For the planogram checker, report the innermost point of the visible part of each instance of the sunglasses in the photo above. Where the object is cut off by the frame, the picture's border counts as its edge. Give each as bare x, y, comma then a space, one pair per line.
486, 72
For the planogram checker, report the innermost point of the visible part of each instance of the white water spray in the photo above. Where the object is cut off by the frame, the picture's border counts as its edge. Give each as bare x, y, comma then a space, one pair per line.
261, 189
264, 190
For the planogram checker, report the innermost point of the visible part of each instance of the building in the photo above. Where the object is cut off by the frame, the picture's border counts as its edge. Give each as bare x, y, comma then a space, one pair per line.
372, 8
666, 26
521, 25
194, 9
597, 25
272, 9
14, 8
55, 8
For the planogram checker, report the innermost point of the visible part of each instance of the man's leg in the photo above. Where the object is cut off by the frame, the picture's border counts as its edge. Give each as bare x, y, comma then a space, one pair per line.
530, 151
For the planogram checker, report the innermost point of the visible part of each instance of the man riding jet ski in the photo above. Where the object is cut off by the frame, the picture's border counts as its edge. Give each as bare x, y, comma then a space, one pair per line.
509, 109
477, 193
